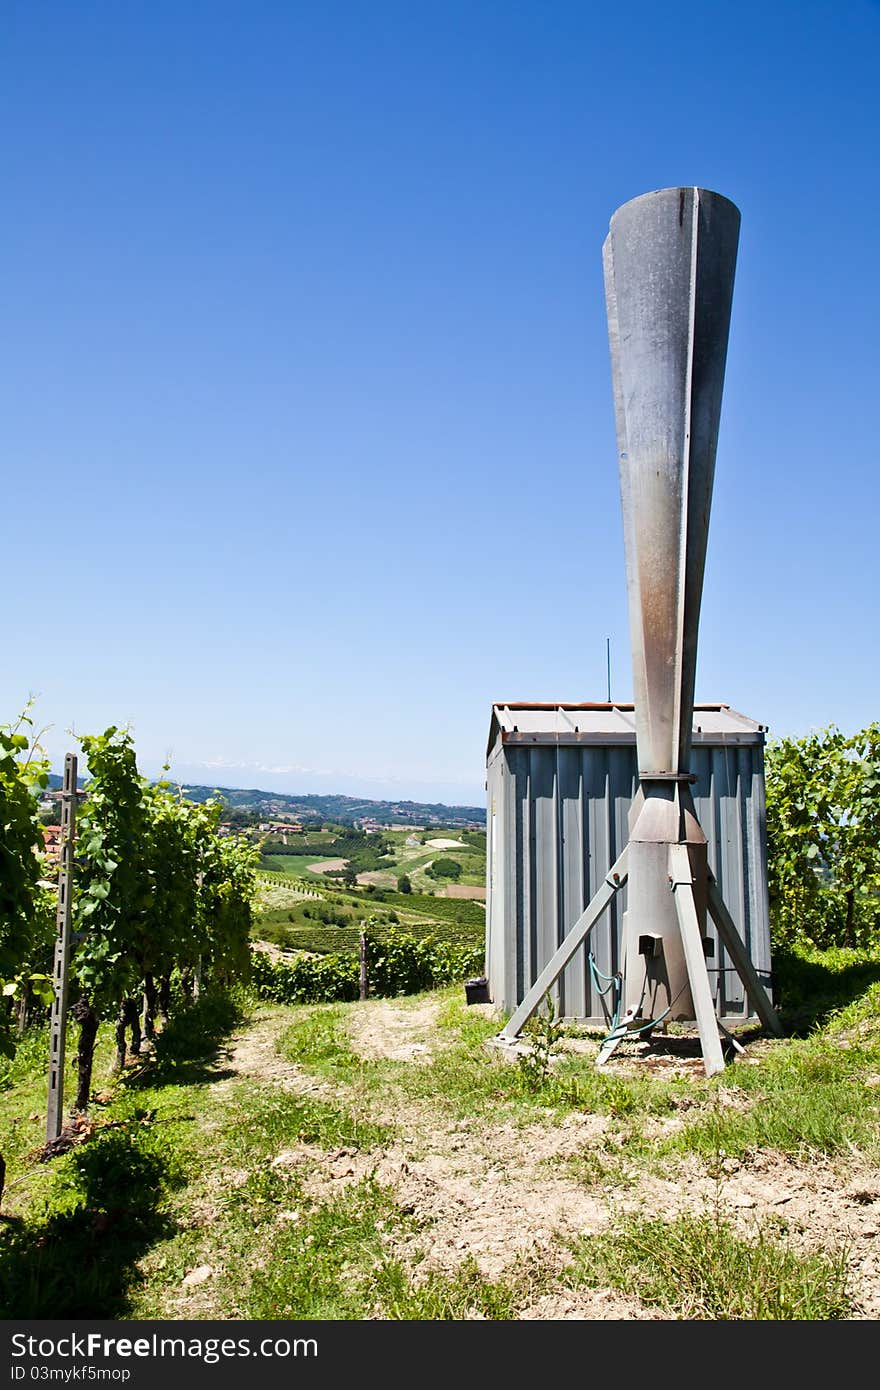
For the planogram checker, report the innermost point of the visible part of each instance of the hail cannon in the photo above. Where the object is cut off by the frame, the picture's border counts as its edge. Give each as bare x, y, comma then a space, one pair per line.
669, 259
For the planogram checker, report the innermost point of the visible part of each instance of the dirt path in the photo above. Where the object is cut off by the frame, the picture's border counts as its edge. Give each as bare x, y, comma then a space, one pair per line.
503, 1193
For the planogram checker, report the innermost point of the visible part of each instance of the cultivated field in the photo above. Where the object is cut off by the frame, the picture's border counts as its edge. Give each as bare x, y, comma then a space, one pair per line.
413, 853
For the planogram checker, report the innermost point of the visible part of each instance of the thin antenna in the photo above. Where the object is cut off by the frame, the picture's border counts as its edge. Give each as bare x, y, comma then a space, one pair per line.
608, 664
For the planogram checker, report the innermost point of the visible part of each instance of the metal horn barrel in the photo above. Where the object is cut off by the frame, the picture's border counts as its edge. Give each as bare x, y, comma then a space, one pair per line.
670, 259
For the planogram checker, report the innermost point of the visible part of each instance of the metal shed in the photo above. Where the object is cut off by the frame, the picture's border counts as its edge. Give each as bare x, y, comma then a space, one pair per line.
560, 782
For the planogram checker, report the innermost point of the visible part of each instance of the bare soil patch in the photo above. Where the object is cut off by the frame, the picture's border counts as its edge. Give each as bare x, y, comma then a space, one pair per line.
387, 1028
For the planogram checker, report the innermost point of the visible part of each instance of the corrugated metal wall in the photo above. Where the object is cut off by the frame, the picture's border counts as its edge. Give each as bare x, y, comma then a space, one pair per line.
557, 819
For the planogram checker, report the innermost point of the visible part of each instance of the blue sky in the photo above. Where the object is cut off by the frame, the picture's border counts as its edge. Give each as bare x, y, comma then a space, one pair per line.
305, 404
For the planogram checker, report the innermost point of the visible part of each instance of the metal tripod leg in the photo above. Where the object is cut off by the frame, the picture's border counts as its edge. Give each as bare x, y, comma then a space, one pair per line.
695, 960
614, 881
733, 945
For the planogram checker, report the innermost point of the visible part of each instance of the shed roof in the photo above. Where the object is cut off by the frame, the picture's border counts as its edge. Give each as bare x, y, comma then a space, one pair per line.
524, 721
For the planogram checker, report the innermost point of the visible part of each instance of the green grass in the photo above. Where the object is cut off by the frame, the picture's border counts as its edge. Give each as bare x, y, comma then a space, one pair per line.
698, 1267
465, 1078
319, 1041
269, 1119
323, 1265
813, 985
800, 1097
23, 1093
441, 1297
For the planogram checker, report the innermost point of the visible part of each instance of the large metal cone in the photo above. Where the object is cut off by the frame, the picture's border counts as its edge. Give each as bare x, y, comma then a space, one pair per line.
670, 259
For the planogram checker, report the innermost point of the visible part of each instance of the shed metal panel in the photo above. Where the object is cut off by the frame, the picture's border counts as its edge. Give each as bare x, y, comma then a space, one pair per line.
560, 783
